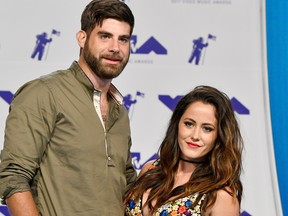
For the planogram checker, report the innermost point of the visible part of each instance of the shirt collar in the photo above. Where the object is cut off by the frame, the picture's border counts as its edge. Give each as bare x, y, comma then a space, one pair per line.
81, 76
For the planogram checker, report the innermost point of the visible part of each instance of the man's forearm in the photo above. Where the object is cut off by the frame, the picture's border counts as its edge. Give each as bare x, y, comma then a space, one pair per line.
22, 204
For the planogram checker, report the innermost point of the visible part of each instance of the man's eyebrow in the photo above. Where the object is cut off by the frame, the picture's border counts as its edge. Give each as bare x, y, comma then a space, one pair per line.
127, 36
104, 32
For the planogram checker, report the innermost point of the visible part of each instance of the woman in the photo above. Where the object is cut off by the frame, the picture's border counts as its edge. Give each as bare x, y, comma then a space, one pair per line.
198, 172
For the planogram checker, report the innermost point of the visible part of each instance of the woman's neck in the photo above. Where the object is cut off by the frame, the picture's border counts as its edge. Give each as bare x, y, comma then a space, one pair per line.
191, 161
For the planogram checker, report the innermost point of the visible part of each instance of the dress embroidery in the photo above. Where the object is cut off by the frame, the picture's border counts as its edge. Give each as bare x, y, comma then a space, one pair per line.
179, 207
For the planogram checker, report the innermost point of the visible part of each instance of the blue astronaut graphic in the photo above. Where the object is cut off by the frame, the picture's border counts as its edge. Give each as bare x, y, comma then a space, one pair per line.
198, 47
129, 101
41, 41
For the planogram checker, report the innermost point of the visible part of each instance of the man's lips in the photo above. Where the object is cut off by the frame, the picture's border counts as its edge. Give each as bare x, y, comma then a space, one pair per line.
111, 60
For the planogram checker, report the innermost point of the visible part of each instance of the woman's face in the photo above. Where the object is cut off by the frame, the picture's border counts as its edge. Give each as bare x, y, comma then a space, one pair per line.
197, 131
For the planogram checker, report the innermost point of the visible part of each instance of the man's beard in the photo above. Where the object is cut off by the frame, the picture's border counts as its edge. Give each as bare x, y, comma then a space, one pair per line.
103, 71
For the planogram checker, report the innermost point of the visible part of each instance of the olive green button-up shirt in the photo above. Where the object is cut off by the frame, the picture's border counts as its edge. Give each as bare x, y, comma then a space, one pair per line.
56, 147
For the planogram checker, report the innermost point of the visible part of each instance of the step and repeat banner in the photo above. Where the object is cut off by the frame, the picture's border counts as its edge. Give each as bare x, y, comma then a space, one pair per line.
176, 45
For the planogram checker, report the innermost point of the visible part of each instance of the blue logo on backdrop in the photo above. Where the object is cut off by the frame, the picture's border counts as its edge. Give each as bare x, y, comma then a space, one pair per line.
172, 102
239, 107
244, 213
6, 96
151, 45
4, 211
136, 156
42, 40
198, 47
129, 101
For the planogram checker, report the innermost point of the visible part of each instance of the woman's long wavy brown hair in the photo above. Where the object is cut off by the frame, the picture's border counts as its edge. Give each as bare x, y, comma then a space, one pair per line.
220, 171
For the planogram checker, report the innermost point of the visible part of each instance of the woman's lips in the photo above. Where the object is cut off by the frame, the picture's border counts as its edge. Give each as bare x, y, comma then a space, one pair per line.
193, 145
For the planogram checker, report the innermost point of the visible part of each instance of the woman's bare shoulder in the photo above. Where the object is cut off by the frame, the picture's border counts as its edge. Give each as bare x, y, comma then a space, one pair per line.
225, 205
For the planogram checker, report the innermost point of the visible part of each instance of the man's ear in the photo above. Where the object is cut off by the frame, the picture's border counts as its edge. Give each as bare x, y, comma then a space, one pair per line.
81, 38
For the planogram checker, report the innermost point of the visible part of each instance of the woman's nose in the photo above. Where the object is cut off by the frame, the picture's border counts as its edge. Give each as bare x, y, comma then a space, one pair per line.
195, 133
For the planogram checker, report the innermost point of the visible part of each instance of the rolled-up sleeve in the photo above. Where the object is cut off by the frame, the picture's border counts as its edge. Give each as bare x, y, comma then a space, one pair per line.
27, 132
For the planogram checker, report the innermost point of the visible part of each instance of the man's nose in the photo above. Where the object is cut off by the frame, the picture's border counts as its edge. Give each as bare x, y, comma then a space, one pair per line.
114, 46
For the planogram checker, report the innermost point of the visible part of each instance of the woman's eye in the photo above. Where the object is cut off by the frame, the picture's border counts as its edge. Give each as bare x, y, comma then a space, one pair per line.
207, 129
188, 124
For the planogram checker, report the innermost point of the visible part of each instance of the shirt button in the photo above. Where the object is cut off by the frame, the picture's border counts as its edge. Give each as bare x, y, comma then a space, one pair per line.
109, 158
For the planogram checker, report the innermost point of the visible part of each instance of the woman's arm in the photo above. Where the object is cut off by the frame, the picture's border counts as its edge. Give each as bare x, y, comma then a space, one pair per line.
225, 205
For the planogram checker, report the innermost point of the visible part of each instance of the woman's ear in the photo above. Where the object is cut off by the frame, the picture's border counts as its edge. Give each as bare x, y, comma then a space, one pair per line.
81, 38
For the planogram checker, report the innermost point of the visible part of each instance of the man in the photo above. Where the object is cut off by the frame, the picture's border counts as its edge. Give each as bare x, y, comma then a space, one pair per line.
67, 137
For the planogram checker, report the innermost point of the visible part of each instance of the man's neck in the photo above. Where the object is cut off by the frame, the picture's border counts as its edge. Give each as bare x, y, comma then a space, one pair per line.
100, 84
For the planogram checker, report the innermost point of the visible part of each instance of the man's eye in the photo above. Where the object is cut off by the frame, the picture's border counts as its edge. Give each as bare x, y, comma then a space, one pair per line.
104, 37
124, 40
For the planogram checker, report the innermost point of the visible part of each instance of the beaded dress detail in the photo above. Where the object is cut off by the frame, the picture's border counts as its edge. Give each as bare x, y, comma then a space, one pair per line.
179, 207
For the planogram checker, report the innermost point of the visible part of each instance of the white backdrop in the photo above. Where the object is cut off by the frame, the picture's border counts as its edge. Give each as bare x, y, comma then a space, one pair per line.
234, 61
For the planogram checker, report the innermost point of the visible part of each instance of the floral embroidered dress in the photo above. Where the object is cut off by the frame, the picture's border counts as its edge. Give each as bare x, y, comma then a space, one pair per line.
179, 207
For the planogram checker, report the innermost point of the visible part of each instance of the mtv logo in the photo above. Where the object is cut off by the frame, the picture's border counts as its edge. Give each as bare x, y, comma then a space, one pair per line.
151, 45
